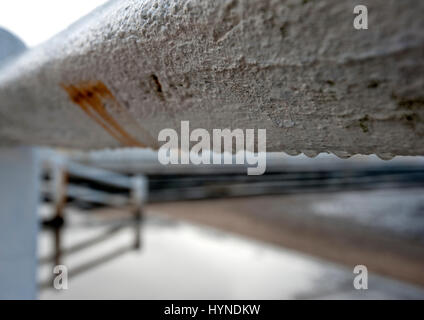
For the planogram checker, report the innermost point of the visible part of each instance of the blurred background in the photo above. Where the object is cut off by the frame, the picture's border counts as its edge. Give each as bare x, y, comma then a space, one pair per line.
129, 228
212, 232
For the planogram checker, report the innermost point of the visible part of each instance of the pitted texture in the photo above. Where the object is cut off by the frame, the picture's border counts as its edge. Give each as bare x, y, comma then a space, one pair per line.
296, 68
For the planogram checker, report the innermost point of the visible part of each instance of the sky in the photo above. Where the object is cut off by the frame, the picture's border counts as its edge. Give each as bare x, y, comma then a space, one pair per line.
35, 21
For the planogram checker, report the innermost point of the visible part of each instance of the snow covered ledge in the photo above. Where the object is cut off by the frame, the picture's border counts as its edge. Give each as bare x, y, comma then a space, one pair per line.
296, 68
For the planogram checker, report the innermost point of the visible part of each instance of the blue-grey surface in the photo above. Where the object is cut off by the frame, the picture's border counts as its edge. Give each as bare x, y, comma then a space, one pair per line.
18, 222
10, 46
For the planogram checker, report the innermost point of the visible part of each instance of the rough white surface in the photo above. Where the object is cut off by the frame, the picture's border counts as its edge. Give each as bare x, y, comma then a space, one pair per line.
297, 68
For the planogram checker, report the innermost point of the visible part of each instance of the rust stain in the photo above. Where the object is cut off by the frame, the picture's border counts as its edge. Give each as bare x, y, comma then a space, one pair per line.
92, 97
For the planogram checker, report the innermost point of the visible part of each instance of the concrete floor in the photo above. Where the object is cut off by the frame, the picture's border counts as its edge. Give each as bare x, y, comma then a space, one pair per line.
181, 260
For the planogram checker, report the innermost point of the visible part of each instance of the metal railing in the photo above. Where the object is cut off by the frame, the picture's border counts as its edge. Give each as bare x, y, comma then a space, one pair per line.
59, 190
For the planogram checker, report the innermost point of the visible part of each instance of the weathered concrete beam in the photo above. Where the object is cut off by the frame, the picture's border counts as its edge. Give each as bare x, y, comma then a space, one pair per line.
296, 68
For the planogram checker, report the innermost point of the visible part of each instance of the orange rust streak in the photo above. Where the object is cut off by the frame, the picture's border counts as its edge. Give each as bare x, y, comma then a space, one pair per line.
73, 92
101, 88
88, 98
92, 102
98, 106
99, 120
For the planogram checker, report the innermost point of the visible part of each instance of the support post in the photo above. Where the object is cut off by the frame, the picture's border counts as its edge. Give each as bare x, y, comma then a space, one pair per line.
60, 177
19, 198
138, 198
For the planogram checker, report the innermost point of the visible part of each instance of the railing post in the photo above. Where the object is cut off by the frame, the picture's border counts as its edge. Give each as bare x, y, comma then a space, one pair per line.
60, 181
138, 197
